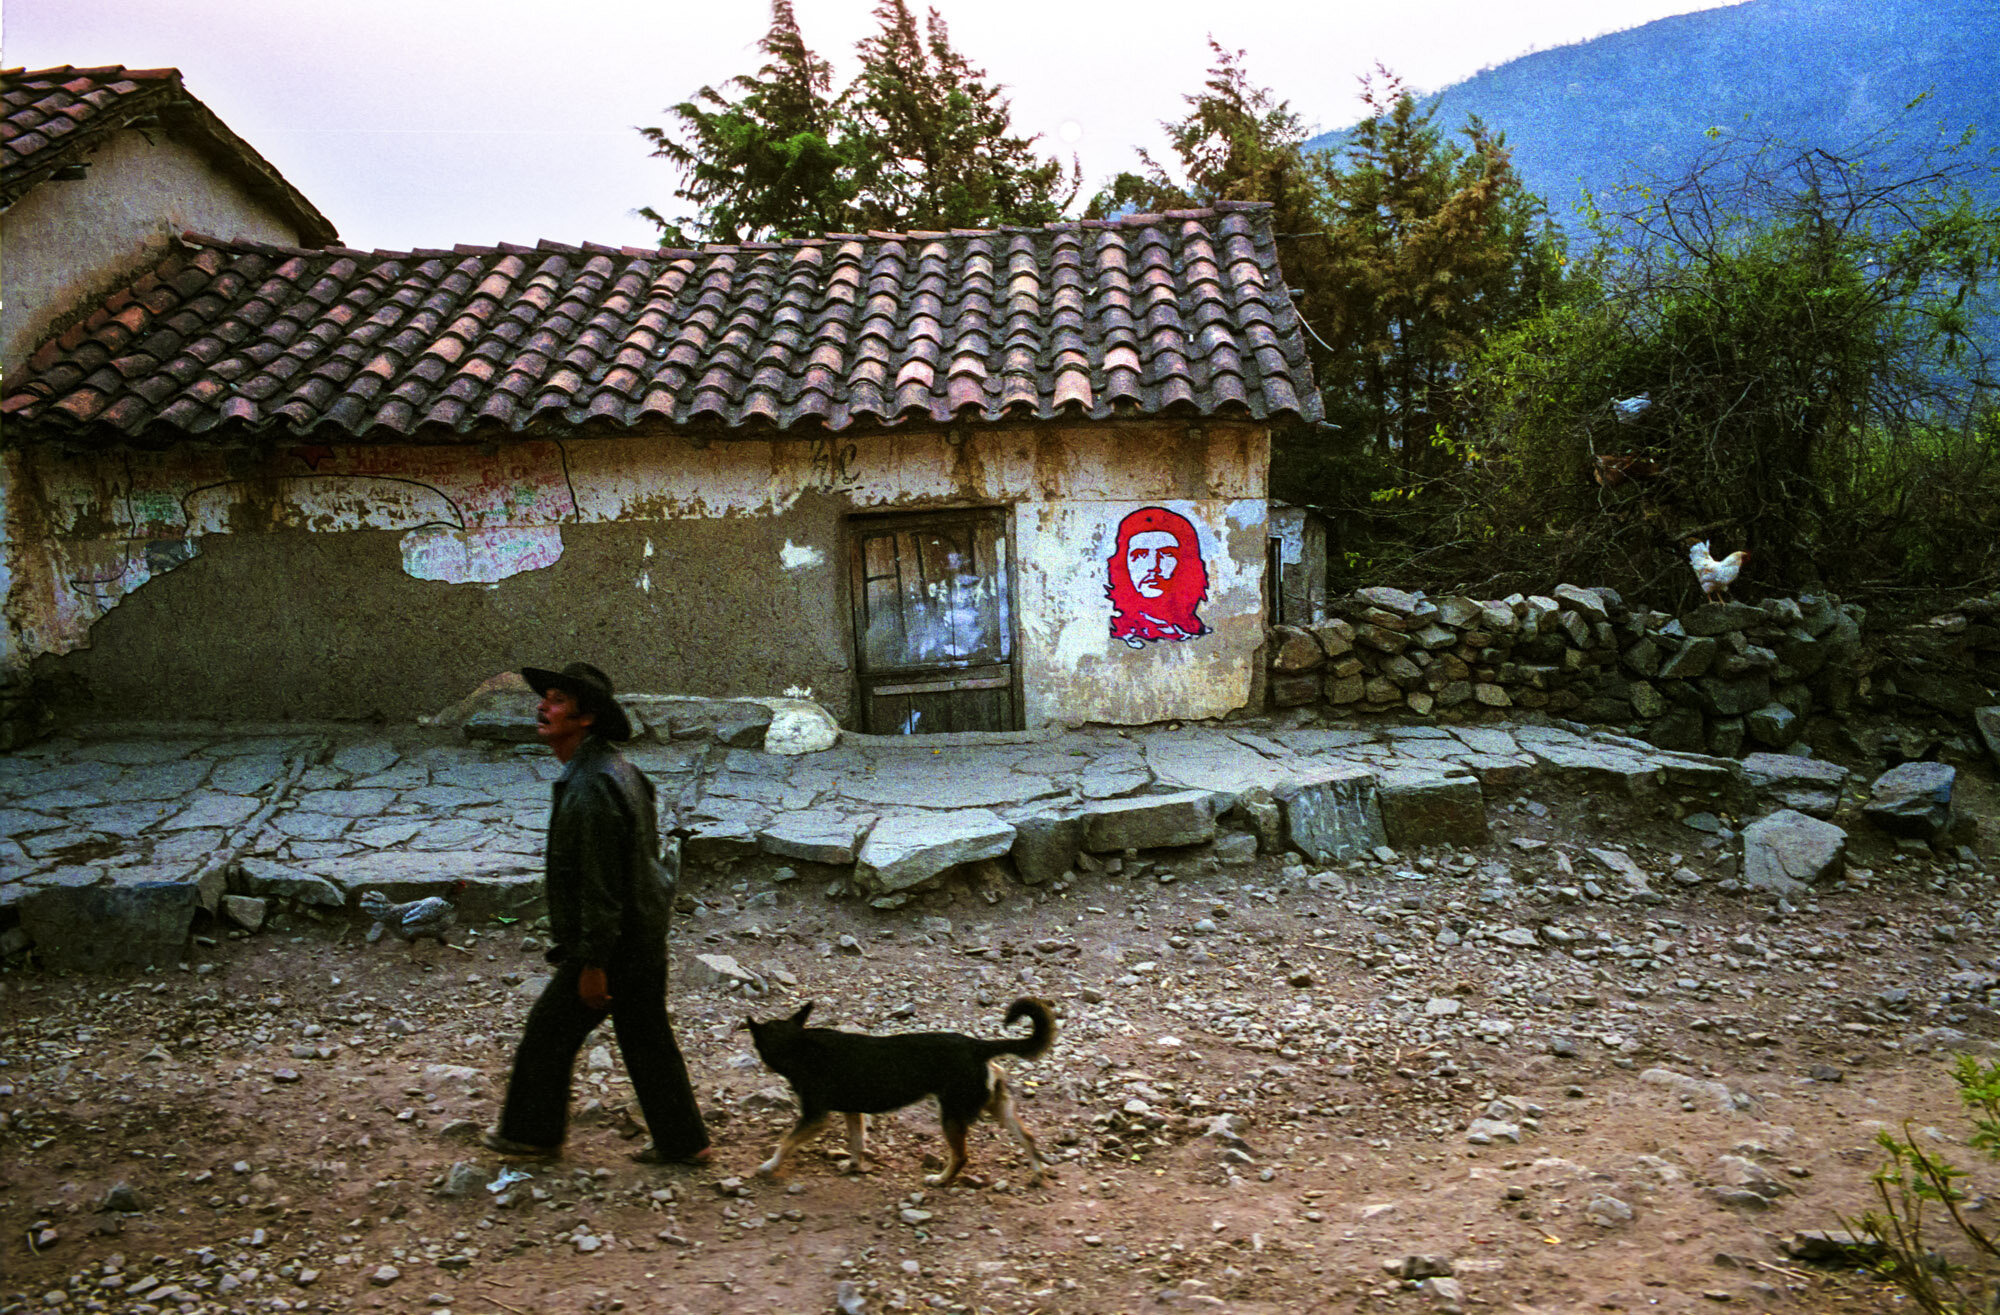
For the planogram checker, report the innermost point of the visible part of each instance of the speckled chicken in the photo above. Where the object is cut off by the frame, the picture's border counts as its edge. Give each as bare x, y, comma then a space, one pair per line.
422, 919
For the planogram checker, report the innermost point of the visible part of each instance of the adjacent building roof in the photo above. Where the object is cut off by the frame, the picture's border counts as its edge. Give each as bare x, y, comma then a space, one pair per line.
52, 119
1177, 313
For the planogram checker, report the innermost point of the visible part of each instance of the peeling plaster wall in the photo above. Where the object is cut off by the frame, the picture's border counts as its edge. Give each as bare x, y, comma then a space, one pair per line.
1073, 670
345, 581
66, 242
13, 662
303, 625
1300, 597
93, 529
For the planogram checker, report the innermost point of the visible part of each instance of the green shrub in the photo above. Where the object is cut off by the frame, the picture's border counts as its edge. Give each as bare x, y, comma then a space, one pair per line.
1914, 1186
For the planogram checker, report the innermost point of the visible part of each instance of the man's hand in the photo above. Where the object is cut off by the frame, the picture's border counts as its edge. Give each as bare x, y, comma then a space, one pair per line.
592, 988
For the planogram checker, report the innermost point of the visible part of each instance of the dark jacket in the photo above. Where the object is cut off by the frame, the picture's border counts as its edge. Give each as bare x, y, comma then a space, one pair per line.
607, 901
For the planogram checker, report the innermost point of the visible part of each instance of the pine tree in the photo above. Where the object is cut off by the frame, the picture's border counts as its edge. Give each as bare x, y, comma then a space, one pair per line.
768, 163
932, 140
1430, 246
920, 139
1238, 142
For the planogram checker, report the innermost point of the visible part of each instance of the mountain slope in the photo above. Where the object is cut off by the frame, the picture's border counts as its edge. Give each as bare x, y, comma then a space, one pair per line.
1638, 103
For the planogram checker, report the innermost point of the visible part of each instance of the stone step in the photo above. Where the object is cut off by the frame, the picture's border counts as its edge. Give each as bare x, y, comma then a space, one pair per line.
310, 821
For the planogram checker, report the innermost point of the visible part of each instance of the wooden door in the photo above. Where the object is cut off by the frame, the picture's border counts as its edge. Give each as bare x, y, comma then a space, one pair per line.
933, 622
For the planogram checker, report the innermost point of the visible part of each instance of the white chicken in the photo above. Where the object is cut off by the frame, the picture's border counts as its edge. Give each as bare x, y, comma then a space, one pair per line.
1716, 574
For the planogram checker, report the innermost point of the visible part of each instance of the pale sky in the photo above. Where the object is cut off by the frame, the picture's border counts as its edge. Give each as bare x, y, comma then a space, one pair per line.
425, 123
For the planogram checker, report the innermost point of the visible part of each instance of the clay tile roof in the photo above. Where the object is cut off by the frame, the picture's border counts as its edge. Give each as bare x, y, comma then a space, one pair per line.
53, 118
1185, 313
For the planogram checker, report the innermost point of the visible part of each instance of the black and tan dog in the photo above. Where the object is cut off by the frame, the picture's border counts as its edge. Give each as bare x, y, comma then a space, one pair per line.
856, 1074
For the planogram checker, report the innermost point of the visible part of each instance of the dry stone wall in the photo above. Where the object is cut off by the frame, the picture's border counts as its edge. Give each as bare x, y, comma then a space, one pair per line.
1725, 678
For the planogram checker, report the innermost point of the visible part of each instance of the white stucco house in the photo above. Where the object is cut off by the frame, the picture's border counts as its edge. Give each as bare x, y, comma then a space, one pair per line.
100, 168
979, 479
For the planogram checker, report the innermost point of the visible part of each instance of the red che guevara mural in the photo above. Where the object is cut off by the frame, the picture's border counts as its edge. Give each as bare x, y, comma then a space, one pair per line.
1157, 578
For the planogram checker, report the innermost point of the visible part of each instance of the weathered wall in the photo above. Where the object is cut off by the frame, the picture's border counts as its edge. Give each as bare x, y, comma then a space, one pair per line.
297, 624
68, 241
1299, 597
1074, 670
384, 580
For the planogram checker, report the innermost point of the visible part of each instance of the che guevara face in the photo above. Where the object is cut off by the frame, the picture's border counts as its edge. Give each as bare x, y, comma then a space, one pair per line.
1151, 558
1155, 578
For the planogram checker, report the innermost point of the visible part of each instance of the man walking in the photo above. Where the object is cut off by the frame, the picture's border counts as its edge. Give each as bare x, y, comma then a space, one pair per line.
609, 901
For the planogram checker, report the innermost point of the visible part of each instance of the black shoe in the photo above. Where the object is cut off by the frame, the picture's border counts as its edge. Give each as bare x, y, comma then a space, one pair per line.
493, 1141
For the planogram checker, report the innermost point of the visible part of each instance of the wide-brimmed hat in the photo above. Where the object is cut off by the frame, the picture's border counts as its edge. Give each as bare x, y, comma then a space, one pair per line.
591, 689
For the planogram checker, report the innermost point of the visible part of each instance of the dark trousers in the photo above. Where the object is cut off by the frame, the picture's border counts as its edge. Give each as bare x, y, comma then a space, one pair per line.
537, 1108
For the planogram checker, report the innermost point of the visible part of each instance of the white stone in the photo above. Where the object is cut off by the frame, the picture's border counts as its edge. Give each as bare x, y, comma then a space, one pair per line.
1619, 863
814, 836
1483, 1132
246, 911
799, 726
716, 970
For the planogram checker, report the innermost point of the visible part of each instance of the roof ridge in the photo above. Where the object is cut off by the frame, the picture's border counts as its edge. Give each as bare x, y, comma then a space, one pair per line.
1149, 219
93, 70
203, 241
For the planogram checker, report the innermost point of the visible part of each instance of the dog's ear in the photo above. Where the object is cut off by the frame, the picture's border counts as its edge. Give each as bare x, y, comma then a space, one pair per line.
800, 1016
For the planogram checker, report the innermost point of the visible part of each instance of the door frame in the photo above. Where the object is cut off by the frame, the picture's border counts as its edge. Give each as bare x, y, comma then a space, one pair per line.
1004, 513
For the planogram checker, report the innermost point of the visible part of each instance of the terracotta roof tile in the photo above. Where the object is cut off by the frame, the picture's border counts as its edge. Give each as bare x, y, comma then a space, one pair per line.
1185, 312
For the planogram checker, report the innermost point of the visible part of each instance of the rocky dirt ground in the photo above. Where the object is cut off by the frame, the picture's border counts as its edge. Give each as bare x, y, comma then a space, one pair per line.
1274, 1085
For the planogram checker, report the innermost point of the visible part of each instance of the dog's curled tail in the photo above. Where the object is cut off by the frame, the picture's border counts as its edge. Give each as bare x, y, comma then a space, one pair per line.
1036, 1043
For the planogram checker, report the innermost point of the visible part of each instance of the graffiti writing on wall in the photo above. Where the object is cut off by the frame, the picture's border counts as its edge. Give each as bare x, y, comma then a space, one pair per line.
833, 464
1156, 578
455, 556
460, 531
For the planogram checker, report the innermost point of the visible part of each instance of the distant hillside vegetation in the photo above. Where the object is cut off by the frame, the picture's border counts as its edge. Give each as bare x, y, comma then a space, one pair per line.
1637, 103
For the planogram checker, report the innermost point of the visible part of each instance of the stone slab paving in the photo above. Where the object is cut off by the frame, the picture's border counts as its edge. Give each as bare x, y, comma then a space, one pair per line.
316, 817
